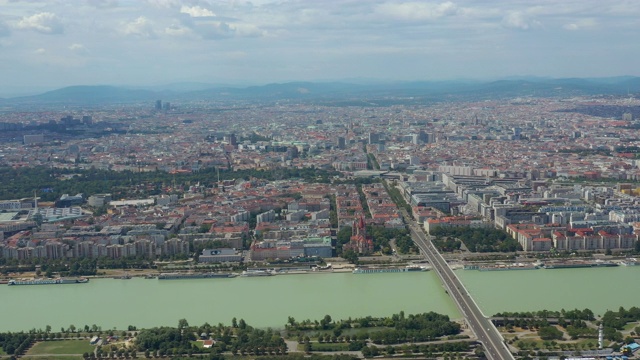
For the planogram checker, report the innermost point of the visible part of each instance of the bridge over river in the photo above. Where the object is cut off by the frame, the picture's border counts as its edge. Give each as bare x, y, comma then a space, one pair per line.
482, 327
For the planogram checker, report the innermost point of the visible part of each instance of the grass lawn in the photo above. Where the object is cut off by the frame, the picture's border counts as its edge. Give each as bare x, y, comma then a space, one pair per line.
2, 352
198, 343
328, 346
581, 344
61, 347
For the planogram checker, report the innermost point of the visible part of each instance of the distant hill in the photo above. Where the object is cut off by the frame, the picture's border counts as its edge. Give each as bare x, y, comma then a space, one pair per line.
181, 87
87, 95
337, 92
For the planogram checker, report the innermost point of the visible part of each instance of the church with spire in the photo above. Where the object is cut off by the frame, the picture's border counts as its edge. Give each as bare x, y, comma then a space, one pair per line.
360, 241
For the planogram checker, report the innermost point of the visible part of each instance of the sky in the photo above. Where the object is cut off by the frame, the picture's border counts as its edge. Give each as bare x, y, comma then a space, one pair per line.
54, 43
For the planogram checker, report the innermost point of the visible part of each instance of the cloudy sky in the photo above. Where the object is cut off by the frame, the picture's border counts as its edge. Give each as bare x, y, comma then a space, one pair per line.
54, 43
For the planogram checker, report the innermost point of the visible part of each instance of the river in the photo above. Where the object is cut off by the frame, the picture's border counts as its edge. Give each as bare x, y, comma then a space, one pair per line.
260, 301
599, 289
268, 301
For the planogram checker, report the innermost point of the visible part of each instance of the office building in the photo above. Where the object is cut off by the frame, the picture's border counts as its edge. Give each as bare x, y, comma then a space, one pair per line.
33, 139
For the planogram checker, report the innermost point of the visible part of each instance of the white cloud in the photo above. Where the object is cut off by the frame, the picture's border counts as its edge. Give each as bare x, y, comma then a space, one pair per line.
247, 30
520, 21
580, 24
40, 51
329, 38
78, 48
141, 27
45, 22
571, 27
216, 30
196, 11
177, 30
418, 10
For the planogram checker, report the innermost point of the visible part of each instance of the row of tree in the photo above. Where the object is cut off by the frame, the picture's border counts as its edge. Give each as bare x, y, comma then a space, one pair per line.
430, 351
15, 343
21, 182
575, 314
396, 196
73, 266
426, 326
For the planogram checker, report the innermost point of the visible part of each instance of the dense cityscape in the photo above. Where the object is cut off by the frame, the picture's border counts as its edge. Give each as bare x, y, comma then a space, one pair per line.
195, 190
545, 170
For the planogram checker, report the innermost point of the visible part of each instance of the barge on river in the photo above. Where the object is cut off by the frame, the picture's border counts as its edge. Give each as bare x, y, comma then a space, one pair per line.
573, 264
56, 281
204, 275
502, 267
377, 270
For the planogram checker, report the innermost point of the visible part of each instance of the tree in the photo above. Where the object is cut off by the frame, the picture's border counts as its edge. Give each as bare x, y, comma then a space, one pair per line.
549, 333
344, 235
291, 321
325, 322
351, 256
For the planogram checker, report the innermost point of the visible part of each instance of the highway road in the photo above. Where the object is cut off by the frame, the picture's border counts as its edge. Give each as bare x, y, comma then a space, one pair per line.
484, 330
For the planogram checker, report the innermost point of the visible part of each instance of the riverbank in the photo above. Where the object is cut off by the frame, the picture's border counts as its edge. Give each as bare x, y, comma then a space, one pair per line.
426, 332
339, 265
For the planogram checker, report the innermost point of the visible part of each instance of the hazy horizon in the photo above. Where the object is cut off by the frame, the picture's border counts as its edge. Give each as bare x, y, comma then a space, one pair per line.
46, 45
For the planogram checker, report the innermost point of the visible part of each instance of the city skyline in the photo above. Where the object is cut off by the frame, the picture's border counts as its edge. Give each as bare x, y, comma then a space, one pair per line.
47, 45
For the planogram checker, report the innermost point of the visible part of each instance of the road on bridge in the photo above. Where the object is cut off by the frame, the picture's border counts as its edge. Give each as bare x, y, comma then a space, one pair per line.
484, 330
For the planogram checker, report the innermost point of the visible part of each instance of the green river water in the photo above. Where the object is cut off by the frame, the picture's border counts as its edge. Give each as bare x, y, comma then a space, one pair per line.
599, 289
268, 301
260, 301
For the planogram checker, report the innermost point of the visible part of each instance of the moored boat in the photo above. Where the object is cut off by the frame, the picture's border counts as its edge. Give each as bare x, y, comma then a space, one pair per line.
205, 275
56, 281
250, 273
573, 264
374, 270
502, 267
